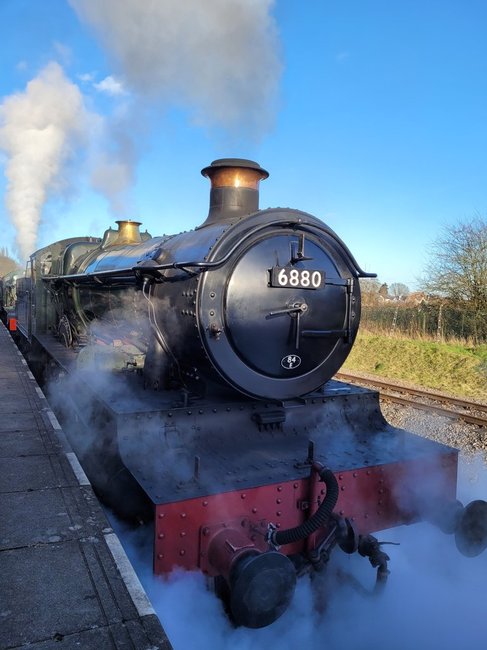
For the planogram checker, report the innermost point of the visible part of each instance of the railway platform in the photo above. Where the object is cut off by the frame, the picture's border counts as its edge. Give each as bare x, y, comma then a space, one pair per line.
65, 581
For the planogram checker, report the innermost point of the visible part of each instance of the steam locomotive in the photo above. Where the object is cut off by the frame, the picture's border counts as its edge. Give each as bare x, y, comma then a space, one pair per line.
202, 365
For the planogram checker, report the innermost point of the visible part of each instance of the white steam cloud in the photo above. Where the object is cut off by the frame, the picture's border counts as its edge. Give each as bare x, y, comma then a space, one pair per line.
218, 59
114, 160
110, 86
38, 132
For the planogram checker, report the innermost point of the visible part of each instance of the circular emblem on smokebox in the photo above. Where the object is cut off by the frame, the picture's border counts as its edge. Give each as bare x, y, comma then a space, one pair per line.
291, 361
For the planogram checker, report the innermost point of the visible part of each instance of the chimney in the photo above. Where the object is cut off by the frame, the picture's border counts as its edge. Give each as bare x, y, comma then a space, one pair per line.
128, 233
234, 188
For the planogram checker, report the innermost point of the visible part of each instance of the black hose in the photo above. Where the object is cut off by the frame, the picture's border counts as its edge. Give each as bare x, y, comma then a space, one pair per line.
282, 537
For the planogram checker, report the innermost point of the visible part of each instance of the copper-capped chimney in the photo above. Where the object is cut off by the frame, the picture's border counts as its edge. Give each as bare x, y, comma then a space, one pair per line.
234, 188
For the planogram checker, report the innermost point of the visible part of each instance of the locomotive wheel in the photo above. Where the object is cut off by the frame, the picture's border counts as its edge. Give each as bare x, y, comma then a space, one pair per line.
471, 534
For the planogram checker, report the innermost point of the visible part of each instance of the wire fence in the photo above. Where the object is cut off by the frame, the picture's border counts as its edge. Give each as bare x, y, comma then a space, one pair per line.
438, 321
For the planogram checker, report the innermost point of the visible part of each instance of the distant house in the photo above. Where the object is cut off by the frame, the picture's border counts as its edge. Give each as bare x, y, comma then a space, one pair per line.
417, 297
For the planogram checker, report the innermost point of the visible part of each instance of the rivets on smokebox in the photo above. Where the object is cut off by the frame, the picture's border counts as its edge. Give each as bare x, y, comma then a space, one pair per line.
278, 513
243, 495
278, 500
182, 552
254, 510
355, 475
160, 556
205, 503
161, 515
182, 533
183, 515
161, 536
279, 489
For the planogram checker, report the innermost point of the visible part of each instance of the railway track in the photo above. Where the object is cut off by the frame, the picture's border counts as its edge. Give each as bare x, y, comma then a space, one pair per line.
426, 400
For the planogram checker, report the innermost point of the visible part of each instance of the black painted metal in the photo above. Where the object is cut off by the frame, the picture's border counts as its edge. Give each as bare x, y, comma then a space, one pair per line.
220, 321
262, 587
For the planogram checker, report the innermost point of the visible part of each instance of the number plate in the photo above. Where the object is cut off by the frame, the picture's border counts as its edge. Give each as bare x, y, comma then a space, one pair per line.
292, 278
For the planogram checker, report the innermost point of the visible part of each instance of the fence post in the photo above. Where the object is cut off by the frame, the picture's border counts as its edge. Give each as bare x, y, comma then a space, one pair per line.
440, 323
394, 320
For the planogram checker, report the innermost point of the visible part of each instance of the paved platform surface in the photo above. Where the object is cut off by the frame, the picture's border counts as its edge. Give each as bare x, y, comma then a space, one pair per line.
65, 581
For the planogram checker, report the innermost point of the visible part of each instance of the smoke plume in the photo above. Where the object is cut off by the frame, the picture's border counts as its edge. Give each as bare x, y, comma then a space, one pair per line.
38, 130
217, 59
113, 164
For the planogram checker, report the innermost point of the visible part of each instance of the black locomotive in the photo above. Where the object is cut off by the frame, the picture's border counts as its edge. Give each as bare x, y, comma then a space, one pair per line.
220, 414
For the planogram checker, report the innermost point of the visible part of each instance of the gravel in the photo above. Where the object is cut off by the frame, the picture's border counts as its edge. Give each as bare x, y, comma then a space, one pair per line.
470, 439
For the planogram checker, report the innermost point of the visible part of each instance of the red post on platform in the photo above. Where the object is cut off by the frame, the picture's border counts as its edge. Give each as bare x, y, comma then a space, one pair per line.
12, 324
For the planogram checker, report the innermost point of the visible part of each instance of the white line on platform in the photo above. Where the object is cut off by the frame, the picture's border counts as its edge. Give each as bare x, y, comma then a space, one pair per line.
40, 393
30, 375
54, 420
141, 601
23, 361
77, 469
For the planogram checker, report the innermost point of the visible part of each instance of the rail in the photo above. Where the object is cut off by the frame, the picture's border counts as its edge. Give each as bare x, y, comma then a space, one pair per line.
408, 397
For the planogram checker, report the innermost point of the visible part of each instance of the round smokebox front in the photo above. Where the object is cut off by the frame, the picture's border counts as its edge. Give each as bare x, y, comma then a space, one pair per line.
275, 320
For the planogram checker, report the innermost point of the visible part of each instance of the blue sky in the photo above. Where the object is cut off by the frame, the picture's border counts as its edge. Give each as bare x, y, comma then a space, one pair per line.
370, 115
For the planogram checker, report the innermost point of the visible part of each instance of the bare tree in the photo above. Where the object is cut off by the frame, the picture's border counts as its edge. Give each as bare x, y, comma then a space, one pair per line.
7, 263
458, 266
369, 288
399, 290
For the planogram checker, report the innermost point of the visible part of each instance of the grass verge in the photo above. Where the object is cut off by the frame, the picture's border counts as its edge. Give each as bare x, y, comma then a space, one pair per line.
451, 367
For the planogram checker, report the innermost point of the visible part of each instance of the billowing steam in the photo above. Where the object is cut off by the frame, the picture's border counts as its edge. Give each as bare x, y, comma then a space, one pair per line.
113, 165
434, 598
38, 131
218, 59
